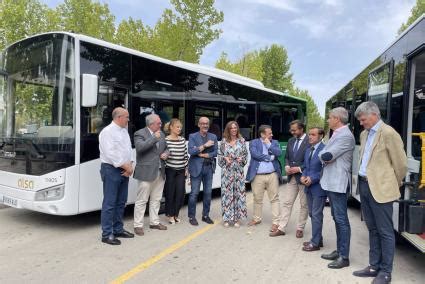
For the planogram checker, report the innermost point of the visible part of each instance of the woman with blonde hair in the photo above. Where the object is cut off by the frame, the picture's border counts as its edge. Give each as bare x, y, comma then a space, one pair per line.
175, 170
232, 158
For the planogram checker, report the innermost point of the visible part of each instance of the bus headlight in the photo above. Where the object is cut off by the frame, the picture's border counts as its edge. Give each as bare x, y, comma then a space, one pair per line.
53, 193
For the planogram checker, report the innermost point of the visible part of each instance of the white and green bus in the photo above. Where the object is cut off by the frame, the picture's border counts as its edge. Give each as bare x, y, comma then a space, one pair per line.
58, 90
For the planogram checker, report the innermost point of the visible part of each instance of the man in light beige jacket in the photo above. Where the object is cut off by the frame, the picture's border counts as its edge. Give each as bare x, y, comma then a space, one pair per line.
383, 165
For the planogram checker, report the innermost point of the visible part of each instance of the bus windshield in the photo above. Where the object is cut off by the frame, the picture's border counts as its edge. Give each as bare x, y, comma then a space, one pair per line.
36, 105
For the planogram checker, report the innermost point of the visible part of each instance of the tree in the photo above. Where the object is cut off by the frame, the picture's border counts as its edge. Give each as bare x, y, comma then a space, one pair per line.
276, 65
313, 115
416, 12
87, 17
133, 34
184, 35
23, 18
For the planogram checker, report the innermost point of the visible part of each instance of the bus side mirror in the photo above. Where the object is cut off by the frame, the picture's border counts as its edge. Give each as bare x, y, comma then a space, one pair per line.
89, 89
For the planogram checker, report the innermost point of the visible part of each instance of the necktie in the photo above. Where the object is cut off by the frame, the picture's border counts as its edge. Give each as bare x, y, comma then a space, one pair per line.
296, 145
311, 154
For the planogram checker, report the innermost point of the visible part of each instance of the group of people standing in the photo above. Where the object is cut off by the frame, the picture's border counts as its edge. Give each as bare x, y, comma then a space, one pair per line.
315, 170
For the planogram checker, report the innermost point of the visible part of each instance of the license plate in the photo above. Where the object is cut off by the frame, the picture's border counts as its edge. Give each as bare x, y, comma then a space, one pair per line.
9, 201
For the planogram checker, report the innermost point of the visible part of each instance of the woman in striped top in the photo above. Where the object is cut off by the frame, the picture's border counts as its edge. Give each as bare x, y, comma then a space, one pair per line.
175, 170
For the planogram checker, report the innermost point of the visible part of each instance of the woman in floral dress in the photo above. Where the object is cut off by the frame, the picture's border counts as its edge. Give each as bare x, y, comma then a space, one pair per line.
232, 158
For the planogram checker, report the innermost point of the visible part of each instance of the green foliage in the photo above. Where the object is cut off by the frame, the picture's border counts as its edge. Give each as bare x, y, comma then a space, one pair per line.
417, 11
276, 68
133, 34
183, 35
313, 116
22, 18
87, 17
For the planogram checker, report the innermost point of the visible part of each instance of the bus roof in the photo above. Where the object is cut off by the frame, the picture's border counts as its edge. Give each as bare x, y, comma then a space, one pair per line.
206, 70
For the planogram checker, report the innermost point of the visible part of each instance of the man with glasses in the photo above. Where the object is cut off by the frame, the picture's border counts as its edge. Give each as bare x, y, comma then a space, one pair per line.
202, 149
116, 167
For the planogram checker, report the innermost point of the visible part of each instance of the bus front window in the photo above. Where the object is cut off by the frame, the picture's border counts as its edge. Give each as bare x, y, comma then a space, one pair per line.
36, 105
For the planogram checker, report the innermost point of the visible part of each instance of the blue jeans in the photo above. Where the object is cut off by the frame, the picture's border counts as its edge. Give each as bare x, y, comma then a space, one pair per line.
315, 210
338, 202
205, 177
379, 222
115, 191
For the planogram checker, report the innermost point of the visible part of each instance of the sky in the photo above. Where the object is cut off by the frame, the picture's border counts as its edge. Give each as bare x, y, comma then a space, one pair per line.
328, 41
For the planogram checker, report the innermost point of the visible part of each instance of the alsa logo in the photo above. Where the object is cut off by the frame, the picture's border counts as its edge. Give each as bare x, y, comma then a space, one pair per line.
25, 183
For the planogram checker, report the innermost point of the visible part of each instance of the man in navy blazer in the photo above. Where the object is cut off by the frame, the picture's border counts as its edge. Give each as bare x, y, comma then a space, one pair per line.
264, 173
202, 149
316, 196
294, 160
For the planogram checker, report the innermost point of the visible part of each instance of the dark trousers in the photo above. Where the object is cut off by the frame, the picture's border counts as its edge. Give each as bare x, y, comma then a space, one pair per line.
379, 222
315, 211
174, 191
338, 202
115, 191
206, 178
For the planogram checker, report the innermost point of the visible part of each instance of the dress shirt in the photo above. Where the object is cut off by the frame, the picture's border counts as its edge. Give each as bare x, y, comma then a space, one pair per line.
115, 145
266, 167
368, 148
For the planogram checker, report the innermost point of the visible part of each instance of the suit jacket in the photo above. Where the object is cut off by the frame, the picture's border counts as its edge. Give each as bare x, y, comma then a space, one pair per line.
196, 162
147, 155
257, 156
337, 173
387, 164
313, 169
293, 159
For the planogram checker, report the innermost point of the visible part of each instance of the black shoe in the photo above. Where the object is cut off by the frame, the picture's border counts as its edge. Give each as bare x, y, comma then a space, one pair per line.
207, 219
193, 221
382, 278
330, 256
339, 263
111, 240
366, 272
124, 234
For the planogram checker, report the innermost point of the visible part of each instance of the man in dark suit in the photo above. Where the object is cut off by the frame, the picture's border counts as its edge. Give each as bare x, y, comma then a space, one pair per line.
151, 151
264, 174
294, 159
202, 149
316, 196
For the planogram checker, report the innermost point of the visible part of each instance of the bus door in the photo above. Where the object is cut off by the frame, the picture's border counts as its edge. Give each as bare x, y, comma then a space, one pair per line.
414, 215
93, 120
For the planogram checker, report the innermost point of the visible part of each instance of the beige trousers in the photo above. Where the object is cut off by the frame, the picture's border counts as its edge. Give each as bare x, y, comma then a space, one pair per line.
147, 189
269, 183
289, 196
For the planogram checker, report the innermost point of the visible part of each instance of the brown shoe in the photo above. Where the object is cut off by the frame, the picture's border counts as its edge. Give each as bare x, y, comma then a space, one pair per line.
274, 227
158, 227
253, 223
299, 234
277, 233
139, 231
310, 247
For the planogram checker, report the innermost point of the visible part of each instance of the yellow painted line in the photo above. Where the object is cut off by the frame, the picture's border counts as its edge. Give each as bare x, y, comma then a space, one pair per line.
144, 265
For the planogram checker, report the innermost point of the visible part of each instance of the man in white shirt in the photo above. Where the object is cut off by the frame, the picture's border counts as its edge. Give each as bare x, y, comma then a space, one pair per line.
116, 167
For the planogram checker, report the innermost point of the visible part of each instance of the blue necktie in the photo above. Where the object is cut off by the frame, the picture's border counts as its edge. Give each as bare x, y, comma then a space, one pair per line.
296, 146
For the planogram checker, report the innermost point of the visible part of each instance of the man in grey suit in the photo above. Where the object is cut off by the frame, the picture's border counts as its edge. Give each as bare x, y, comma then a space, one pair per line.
151, 152
337, 157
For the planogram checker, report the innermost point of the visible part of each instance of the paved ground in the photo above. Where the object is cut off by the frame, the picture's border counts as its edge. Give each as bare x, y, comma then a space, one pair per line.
38, 248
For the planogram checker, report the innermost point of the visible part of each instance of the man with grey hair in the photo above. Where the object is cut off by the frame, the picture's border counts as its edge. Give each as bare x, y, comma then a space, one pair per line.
337, 157
116, 167
151, 152
382, 167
